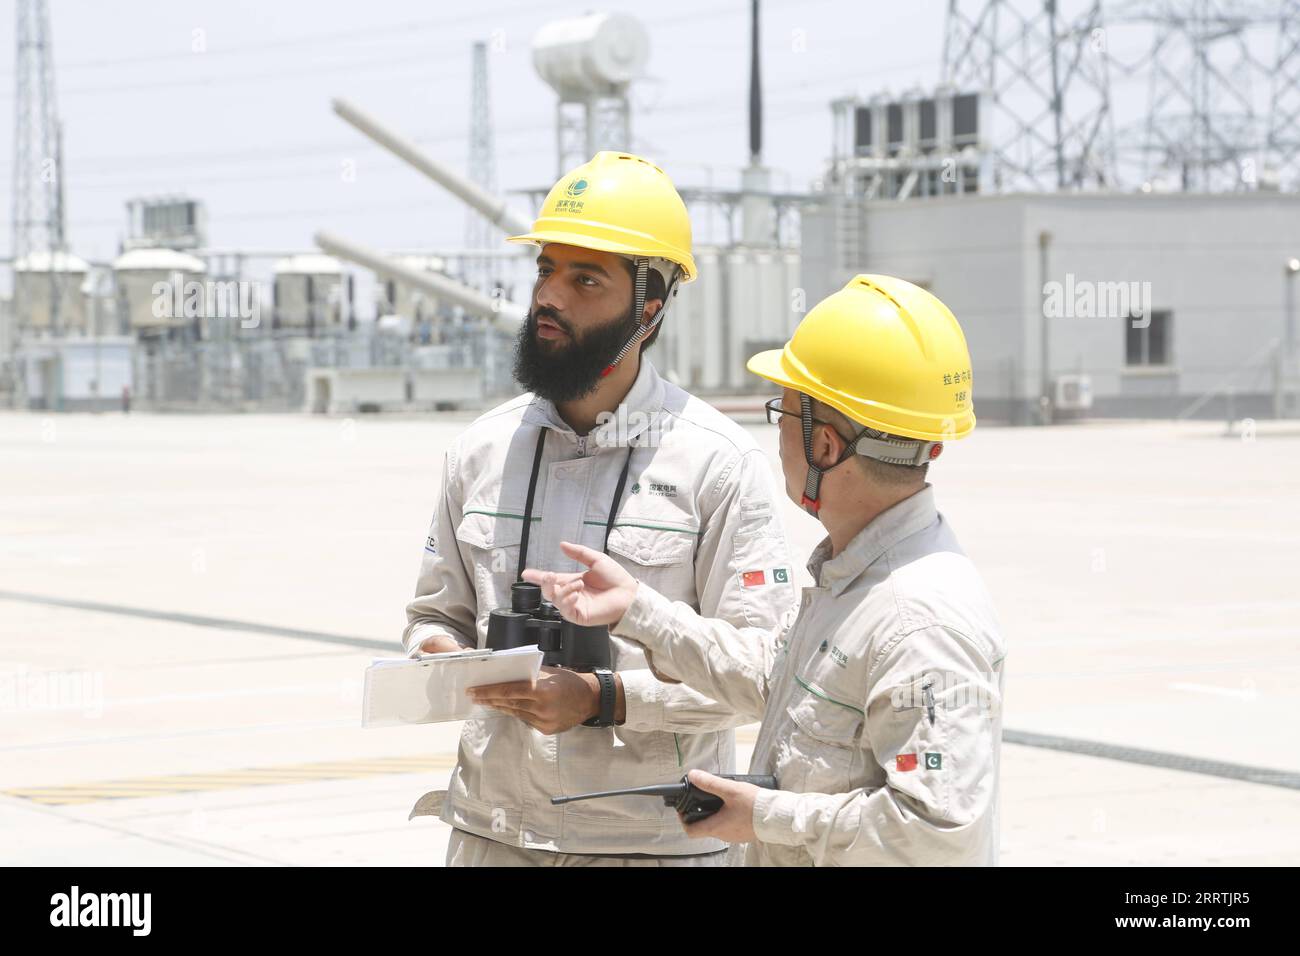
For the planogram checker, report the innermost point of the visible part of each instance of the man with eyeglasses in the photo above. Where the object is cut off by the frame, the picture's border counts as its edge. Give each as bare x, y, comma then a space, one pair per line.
881, 699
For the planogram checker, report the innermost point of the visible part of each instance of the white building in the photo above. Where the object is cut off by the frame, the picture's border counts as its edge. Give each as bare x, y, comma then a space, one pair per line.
1215, 268
76, 374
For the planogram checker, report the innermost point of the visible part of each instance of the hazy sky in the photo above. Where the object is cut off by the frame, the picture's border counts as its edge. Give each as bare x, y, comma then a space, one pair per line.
246, 126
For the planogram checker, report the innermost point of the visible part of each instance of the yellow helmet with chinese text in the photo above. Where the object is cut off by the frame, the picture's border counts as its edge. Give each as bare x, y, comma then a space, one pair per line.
890, 356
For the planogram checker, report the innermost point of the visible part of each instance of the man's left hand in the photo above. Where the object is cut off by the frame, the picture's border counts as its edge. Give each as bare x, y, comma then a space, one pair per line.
734, 823
560, 699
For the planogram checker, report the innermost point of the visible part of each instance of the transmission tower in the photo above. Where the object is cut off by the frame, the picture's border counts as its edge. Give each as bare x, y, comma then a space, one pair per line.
1042, 69
38, 214
1284, 108
1210, 67
479, 233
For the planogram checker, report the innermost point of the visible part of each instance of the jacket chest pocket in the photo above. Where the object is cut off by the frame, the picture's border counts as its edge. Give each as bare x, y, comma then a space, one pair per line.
820, 748
663, 559
490, 547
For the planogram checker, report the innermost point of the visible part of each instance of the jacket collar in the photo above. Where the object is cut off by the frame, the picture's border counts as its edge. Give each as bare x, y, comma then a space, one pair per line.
640, 407
887, 529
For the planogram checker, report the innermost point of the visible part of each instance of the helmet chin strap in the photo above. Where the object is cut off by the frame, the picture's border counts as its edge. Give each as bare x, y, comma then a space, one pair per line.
638, 303
892, 451
811, 500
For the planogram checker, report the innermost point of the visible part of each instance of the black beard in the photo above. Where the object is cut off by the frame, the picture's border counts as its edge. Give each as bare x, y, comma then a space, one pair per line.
571, 368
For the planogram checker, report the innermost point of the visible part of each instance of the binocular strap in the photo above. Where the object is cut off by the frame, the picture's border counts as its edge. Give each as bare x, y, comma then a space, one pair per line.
532, 493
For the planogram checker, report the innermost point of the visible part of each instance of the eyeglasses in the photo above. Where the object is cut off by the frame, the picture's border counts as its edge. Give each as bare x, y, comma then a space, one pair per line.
775, 411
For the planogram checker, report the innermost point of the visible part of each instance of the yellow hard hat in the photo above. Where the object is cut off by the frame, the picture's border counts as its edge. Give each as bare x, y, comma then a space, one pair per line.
617, 203
886, 353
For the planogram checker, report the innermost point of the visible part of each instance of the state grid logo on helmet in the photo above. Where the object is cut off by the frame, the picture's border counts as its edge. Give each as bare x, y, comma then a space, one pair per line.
572, 205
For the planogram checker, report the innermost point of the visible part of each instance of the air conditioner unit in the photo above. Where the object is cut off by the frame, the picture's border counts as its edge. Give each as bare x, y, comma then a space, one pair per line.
1073, 393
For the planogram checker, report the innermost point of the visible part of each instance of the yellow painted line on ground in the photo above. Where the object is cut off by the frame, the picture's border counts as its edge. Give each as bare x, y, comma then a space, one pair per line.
162, 786
63, 802
39, 792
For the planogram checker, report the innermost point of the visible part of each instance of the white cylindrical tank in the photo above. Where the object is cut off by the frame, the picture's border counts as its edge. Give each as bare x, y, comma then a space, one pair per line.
745, 301
693, 332
597, 53
40, 277
309, 292
400, 298
151, 287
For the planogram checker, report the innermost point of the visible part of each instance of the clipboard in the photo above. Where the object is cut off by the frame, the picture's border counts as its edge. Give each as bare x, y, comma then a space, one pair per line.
432, 688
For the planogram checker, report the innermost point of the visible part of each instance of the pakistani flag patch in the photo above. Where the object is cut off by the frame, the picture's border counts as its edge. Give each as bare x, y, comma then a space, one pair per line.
933, 761
760, 577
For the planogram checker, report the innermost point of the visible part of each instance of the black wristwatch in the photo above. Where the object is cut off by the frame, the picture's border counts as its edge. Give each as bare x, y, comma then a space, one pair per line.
608, 698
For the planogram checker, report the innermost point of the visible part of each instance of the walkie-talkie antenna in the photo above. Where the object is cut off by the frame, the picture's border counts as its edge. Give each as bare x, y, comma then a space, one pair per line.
693, 803
658, 790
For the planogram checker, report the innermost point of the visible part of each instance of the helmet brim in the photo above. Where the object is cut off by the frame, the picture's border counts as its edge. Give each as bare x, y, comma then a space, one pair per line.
543, 236
774, 366
768, 365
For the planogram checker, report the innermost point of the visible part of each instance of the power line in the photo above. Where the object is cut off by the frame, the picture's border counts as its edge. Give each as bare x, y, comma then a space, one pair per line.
242, 77
404, 29
706, 103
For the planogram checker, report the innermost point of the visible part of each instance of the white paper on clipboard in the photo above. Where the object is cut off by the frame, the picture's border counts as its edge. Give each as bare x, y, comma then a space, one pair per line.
432, 689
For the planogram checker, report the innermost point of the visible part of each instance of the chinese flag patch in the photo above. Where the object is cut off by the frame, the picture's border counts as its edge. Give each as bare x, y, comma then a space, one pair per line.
752, 579
905, 762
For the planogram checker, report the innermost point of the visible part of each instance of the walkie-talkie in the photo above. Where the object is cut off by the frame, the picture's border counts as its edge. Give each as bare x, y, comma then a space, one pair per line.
686, 798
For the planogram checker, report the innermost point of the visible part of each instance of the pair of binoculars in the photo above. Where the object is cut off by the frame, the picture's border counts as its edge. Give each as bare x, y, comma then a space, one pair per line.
530, 620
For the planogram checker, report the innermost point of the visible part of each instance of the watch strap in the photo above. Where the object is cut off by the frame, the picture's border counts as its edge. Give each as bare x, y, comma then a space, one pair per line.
608, 698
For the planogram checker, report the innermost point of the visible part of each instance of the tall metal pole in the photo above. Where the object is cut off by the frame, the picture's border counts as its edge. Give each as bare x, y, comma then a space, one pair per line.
36, 219
1292, 267
755, 92
1285, 369
1044, 333
1057, 105
482, 170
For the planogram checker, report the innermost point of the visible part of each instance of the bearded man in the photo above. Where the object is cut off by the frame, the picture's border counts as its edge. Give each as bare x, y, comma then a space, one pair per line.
599, 450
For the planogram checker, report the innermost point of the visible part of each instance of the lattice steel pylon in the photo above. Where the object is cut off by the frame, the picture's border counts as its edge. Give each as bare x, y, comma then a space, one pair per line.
1283, 147
479, 233
38, 214
1209, 72
1042, 69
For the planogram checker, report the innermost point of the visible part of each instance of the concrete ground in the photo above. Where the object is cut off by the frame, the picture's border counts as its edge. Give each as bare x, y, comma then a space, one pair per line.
1148, 577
